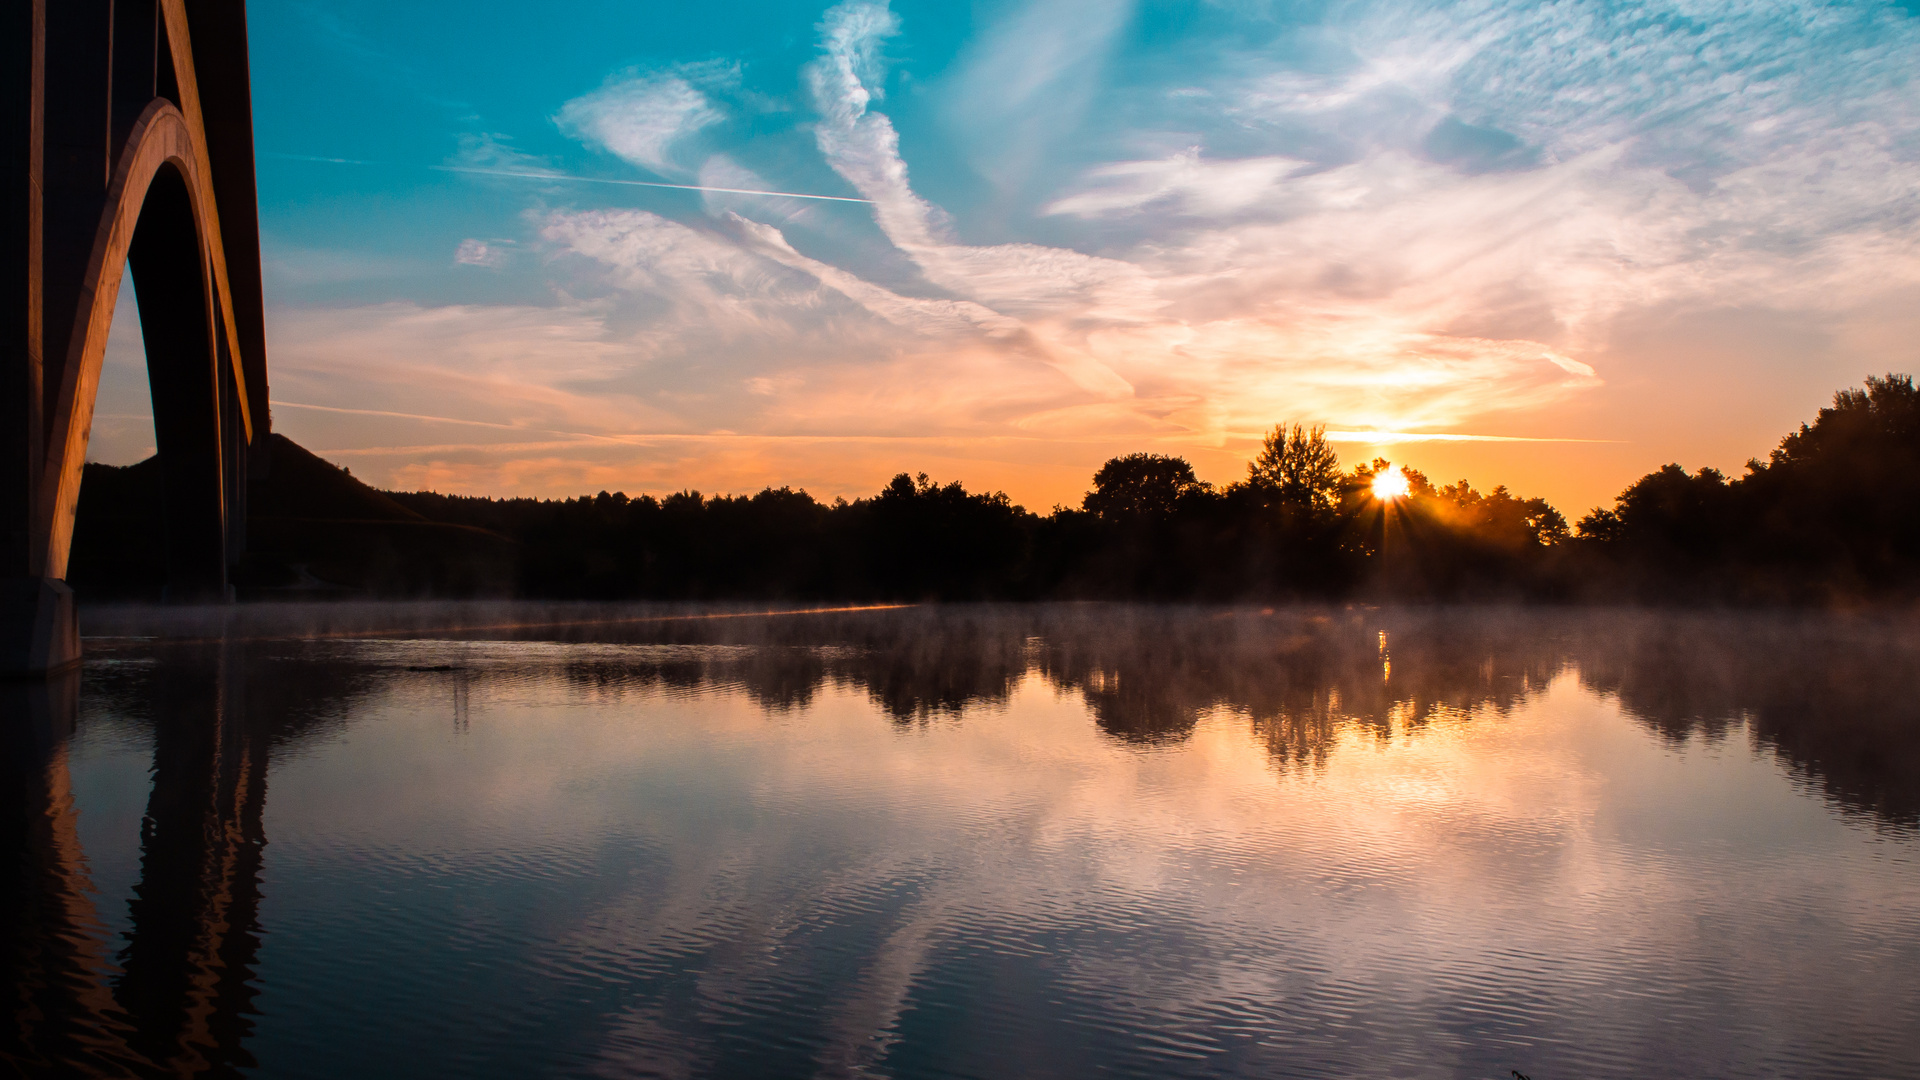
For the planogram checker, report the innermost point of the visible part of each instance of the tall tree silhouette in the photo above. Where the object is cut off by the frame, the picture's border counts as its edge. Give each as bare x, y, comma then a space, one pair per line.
1297, 466
1841, 497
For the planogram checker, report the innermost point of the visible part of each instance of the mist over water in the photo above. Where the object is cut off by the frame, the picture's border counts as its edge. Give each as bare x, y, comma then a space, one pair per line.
970, 841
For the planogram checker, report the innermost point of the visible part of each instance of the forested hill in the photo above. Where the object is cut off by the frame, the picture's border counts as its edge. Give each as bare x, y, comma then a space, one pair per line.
1832, 514
312, 530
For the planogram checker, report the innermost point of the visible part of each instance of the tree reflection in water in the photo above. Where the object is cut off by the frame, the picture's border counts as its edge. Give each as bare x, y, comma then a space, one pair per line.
1836, 698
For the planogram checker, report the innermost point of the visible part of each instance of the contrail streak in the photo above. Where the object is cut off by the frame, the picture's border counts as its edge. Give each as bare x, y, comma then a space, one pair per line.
1384, 437
631, 438
641, 183
445, 420
402, 415
310, 157
519, 174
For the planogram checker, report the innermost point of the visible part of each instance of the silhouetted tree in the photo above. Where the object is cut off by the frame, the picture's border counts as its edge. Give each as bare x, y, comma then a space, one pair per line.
1448, 542
930, 541
1668, 516
1840, 498
1501, 518
1141, 486
1296, 466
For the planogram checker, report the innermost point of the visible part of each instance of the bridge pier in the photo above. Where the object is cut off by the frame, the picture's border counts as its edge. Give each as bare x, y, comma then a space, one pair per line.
39, 629
127, 128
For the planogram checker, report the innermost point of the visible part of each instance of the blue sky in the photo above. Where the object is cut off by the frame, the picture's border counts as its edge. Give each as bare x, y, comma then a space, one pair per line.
1548, 245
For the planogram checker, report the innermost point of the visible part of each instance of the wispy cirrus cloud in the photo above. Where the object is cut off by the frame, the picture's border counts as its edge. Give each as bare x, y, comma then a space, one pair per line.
1740, 152
1183, 182
1028, 82
646, 118
476, 252
1430, 220
1156, 319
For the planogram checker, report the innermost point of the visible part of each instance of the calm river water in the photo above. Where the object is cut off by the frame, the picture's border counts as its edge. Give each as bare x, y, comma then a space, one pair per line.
966, 842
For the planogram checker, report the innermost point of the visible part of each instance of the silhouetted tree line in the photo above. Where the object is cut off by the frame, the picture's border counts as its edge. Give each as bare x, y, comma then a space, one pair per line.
1833, 513
1296, 527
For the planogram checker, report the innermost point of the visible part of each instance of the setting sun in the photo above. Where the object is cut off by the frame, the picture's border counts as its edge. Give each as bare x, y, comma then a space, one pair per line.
737, 473
1390, 484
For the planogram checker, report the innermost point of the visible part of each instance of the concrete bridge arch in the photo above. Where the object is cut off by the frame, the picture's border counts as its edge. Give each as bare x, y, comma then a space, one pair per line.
128, 129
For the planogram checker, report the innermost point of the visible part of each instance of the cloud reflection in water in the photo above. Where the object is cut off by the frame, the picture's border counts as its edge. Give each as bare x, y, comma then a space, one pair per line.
994, 841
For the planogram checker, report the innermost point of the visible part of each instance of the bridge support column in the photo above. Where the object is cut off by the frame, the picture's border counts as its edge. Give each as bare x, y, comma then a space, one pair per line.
39, 633
36, 615
126, 135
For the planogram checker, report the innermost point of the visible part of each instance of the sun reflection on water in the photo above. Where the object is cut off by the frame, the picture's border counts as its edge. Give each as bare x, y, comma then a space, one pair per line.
929, 842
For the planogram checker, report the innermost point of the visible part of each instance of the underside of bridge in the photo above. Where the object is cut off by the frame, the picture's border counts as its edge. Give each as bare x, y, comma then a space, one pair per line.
128, 134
